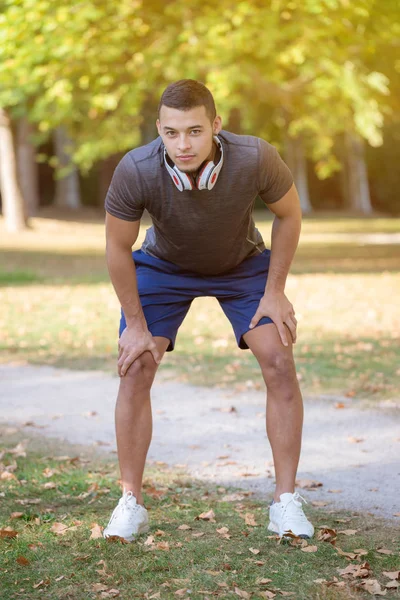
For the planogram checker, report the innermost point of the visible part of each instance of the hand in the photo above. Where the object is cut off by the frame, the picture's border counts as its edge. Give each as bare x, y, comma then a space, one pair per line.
132, 343
276, 306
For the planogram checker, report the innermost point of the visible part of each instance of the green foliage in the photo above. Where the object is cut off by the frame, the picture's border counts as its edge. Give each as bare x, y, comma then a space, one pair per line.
313, 69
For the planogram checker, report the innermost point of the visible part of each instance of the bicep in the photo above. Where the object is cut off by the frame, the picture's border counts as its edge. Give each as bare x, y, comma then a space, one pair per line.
121, 233
288, 205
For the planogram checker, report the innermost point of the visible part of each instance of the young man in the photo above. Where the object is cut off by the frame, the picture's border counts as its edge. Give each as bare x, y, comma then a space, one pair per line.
199, 183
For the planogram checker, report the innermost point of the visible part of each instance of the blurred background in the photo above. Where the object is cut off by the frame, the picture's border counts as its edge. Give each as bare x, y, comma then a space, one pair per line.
79, 86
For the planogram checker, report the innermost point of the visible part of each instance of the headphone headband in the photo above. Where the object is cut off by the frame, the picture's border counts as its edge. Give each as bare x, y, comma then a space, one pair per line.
207, 177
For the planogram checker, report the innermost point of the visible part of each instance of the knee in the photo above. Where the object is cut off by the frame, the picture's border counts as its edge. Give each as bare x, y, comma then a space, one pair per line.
141, 373
278, 369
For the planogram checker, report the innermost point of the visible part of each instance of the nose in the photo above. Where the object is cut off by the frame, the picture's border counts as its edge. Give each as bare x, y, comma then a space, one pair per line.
184, 143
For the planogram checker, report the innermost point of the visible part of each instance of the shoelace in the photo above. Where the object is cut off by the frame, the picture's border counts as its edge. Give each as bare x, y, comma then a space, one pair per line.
123, 505
299, 514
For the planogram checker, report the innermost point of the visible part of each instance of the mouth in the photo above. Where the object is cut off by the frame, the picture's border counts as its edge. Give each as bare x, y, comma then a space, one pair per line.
184, 158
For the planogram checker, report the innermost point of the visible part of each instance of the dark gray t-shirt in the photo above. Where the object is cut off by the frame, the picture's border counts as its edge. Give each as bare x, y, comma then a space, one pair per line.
205, 231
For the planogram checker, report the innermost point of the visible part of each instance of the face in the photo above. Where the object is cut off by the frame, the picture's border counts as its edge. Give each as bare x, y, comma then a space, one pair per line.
187, 136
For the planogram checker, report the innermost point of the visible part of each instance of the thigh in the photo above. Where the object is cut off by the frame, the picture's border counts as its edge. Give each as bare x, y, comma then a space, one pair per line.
164, 294
240, 292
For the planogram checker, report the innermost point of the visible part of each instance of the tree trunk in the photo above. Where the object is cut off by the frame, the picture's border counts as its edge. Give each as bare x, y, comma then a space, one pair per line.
12, 199
105, 173
67, 189
27, 167
357, 175
297, 163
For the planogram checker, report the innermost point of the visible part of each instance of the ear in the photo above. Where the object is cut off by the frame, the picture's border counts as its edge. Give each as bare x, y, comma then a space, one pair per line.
158, 125
217, 125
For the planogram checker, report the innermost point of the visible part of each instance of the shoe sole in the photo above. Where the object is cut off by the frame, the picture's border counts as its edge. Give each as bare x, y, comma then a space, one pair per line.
131, 538
274, 527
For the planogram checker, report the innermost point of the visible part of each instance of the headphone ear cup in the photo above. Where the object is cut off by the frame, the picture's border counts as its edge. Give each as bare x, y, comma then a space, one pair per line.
187, 180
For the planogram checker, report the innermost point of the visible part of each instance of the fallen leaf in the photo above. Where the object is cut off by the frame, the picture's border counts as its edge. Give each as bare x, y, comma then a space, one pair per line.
184, 527
363, 570
308, 483
162, 546
340, 405
60, 578
355, 440
99, 587
335, 491
16, 515
242, 593
50, 485
207, 516
319, 503
113, 593
21, 560
232, 498
263, 581
348, 531
327, 535
6, 476
392, 574
198, 534
267, 594
254, 550
372, 587
159, 533
59, 528
309, 549
96, 531
250, 520
350, 555
384, 551
181, 592
392, 585
8, 532
36, 585
149, 541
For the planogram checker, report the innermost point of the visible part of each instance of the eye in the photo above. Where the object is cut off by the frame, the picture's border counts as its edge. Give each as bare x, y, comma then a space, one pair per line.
170, 133
196, 131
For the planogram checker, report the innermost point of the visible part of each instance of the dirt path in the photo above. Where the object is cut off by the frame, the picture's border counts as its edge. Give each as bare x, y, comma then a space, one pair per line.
197, 428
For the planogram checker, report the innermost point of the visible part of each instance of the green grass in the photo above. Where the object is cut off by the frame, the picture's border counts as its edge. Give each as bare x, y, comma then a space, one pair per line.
210, 566
59, 308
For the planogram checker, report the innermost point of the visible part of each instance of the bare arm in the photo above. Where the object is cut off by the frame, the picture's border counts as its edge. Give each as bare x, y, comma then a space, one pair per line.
284, 240
136, 339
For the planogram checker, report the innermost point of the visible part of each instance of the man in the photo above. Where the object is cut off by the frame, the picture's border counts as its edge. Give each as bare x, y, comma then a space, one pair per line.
199, 184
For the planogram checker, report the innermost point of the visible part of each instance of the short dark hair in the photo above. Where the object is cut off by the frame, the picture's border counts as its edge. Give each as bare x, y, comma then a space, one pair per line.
186, 94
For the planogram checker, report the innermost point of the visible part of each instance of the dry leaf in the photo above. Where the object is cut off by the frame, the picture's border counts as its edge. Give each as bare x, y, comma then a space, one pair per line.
59, 528
232, 498
319, 503
384, 551
327, 535
207, 516
254, 550
113, 593
159, 533
309, 549
340, 405
263, 581
50, 485
184, 527
8, 532
149, 541
250, 520
60, 578
363, 570
308, 483
267, 594
350, 555
99, 587
181, 592
96, 531
16, 515
392, 574
373, 587
355, 440
335, 491
242, 593
36, 585
162, 546
392, 585
198, 534
21, 560
348, 531
6, 476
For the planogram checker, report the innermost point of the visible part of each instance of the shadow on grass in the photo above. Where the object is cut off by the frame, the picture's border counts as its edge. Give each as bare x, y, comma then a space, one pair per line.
19, 268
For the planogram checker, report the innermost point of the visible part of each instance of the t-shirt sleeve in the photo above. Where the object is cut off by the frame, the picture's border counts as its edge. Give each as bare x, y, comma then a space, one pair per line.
124, 198
275, 178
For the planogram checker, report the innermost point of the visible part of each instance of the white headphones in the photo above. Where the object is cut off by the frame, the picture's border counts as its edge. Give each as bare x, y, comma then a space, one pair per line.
207, 177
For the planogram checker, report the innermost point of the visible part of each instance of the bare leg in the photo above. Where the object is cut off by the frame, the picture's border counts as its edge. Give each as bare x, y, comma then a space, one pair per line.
133, 419
284, 403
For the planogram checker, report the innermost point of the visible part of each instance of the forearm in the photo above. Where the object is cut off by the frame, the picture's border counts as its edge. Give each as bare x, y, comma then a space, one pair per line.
284, 241
122, 272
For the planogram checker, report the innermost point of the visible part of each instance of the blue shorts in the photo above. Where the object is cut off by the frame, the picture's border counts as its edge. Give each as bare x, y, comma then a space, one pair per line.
166, 293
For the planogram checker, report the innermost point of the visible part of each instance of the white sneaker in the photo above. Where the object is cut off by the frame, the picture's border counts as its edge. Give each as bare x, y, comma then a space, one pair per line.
128, 520
287, 515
